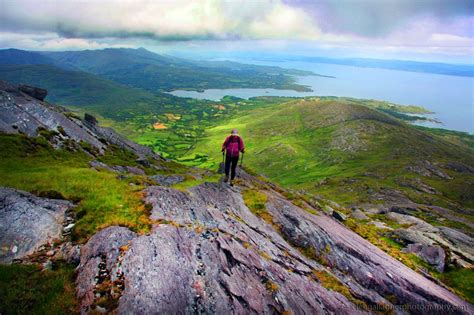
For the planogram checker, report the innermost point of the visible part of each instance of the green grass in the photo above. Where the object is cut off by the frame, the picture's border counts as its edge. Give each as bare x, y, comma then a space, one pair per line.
355, 149
461, 280
330, 282
191, 181
255, 200
102, 199
25, 289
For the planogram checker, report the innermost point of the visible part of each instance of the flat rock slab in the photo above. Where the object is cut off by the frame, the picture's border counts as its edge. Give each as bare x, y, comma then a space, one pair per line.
364, 264
209, 254
27, 222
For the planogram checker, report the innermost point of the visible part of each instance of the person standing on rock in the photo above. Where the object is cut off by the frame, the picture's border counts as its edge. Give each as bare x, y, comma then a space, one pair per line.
232, 147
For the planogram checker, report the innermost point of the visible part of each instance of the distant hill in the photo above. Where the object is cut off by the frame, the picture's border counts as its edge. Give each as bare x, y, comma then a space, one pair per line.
402, 65
22, 57
143, 69
76, 88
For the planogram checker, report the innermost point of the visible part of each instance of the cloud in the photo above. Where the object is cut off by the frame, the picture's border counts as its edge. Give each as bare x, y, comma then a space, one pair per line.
163, 20
51, 41
442, 26
378, 18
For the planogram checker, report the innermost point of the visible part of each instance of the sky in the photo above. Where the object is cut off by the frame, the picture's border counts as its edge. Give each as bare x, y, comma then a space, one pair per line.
440, 30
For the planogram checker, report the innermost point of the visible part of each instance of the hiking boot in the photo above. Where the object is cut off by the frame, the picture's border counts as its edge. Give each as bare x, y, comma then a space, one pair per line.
232, 184
226, 178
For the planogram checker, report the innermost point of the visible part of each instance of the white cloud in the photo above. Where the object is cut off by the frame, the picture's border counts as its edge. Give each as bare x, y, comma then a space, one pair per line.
178, 19
88, 24
51, 41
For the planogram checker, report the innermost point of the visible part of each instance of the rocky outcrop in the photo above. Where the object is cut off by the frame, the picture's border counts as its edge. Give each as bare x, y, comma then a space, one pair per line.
459, 167
34, 92
27, 222
209, 253
422, 233
428, 169
21, 113
111, 136
432, 254
339, 216
22, 110
359, 215
167, 180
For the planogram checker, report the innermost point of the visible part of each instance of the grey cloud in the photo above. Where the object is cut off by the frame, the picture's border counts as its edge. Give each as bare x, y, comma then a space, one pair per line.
380, 17
163, 20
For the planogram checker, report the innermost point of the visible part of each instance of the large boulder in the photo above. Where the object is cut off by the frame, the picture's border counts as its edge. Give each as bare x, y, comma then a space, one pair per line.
339, 215
432, 254
359, 215
33, 91
27, 222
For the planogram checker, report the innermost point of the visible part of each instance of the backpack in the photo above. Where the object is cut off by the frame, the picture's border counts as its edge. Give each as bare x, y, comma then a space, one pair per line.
233, 146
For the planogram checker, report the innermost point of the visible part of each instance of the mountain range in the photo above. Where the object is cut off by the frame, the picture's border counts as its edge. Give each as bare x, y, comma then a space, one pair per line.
144, 69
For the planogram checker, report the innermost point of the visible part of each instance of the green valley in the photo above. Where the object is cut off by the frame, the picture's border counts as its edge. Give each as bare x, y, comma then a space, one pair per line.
339, 149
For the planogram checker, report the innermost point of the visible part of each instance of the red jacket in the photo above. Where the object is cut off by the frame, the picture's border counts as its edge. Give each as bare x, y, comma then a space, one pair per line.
233, 145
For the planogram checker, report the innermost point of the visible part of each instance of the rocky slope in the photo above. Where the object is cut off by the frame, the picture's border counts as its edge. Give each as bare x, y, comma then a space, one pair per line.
209, 253
212, 248
22, 110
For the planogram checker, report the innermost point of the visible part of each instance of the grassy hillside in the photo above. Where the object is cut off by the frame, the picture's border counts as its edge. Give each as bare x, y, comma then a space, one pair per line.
143, 69
22, 57
340, 150
101, 96
78, 88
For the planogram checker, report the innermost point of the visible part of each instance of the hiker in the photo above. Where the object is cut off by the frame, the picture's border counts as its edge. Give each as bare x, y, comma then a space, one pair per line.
232, 146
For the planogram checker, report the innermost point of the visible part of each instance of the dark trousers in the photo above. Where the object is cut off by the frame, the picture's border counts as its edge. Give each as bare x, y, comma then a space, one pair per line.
231, 164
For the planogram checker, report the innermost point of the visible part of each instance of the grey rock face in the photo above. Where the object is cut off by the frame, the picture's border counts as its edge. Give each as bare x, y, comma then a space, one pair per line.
22, 110
417, 184
109, 135
99, 263
428, 169
209, 261
365, 265
167, 180
211, 254
432, 254
100, 166
459, 244
458, 167
21, 113
27, 222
